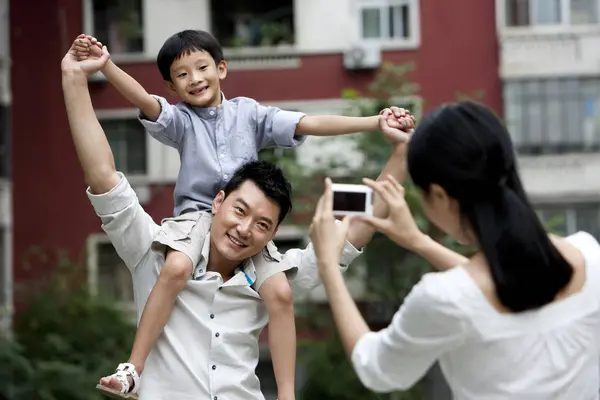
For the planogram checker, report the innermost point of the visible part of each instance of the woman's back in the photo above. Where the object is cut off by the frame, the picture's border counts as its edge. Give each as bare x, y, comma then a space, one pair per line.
548, 353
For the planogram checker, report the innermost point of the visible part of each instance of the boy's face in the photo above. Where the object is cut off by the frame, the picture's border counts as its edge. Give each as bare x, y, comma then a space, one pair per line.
196, 79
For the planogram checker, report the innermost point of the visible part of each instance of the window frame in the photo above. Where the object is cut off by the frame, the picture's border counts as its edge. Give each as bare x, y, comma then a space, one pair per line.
89, 28
565, 16
93, 243
124, 115
414, 23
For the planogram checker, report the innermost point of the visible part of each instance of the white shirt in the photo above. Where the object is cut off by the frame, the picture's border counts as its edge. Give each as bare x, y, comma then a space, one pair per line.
209, 347
549, 353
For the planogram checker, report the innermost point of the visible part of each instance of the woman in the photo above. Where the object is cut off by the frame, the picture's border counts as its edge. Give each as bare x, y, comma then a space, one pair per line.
519, 320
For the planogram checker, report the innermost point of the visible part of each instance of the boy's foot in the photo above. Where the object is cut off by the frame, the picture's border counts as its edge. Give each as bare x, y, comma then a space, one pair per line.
123, 384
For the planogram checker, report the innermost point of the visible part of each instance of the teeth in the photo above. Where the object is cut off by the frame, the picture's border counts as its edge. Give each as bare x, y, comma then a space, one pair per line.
234, 240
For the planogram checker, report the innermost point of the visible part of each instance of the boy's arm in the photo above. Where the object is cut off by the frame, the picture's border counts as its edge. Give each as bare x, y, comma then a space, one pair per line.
162, 121
132, 91
334, 125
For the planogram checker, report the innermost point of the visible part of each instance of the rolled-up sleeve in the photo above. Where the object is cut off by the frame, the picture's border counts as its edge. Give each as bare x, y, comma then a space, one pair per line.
170, 126
130, 229
276, 127
304, 261
426, 326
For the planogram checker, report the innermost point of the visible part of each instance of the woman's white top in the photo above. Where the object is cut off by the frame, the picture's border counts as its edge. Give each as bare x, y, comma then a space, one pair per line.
549, 353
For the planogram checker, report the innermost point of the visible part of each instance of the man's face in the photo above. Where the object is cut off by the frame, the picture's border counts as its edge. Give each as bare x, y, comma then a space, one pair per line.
196, 79
243, 222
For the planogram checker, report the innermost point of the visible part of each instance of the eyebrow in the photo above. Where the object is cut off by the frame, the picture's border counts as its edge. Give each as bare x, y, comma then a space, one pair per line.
242, 202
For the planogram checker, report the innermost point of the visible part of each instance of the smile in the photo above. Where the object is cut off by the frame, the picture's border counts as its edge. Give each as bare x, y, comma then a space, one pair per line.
198, 91
236, 241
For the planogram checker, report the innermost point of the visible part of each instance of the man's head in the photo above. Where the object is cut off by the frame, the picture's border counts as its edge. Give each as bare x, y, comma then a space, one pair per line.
191, 63
249, 209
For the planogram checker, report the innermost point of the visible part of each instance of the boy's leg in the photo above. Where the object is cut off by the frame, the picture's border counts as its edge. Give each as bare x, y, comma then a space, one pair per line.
184, 238
172, 279
277, 295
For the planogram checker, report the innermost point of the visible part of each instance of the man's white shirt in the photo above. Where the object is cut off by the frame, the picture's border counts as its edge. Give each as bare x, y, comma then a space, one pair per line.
209, 347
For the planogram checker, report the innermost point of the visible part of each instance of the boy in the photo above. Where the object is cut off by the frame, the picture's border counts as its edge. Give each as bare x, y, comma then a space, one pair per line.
214, 136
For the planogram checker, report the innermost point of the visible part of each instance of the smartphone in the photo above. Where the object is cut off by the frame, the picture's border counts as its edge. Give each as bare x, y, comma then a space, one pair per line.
352, 199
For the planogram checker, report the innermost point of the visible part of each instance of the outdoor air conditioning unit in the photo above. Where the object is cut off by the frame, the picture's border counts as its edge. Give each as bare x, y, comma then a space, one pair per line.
363, 56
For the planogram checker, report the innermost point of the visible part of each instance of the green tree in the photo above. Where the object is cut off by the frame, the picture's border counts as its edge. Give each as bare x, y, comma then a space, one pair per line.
63, 341
391, 270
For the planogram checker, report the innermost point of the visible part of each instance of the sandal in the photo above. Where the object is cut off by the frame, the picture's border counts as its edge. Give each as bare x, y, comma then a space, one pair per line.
122, 372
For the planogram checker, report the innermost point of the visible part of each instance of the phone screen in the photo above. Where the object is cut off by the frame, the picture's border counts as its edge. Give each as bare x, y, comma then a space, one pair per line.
349, 201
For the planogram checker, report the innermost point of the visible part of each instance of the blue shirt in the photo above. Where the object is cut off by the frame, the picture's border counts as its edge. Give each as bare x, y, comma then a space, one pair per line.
214, 142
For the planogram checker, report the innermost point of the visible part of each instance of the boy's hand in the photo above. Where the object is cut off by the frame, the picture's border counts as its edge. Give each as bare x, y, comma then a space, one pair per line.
87, 47
396, 124
88, 65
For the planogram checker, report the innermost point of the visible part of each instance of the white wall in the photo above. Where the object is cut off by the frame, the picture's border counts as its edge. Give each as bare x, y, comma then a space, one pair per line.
561, 178
328, 25
162, 18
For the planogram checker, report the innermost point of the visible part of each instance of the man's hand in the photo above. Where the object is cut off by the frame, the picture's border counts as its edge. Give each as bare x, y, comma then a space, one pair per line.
396, 124
76, 59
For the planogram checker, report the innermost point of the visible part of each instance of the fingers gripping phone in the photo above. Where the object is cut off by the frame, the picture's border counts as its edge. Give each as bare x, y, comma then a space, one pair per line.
352, 199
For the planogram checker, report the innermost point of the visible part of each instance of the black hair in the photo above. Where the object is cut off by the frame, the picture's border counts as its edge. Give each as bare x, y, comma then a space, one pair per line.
183, 43
464, 148
270, 180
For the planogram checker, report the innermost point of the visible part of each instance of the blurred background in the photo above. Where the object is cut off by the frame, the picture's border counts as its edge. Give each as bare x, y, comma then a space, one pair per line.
65, 297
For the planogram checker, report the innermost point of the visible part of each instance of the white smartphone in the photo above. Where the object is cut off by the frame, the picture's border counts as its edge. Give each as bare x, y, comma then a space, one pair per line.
352, 199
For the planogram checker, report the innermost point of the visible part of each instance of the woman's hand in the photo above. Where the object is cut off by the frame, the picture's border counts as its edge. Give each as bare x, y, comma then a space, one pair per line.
399, 225
327, 236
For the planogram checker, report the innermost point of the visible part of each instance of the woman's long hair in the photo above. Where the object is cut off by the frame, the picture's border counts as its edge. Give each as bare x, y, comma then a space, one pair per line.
464, 148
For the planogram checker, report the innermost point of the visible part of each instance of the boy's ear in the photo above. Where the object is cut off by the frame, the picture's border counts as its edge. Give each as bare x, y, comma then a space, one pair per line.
222, 69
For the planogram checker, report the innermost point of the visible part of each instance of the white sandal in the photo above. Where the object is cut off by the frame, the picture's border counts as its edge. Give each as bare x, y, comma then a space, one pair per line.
122, 372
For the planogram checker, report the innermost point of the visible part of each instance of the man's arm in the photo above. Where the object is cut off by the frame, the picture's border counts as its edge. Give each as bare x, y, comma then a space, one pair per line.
92, 147
128, 227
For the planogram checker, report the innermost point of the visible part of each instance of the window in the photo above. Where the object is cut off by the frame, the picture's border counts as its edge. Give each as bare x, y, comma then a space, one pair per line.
127, 140
252, 24
551, 12
118, 24
387, 20
108, 274
568, 219
553, 115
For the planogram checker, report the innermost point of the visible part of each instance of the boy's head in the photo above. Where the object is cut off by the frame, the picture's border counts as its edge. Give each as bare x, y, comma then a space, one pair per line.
249, 209
191, 63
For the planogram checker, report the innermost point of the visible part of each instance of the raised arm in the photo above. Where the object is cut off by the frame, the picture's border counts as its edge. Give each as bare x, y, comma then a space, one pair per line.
92, 147
121, 80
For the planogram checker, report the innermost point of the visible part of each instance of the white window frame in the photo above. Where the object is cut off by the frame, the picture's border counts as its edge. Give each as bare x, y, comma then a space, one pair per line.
88, 28
162, 161
92, 255
565, 13
414, 39
6, 265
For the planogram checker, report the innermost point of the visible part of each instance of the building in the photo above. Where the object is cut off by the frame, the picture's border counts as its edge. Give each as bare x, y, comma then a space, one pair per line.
550, 70
297, 55
5, 187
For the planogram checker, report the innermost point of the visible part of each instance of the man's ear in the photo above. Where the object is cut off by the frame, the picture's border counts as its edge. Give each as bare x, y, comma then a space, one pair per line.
275, 231
218, 202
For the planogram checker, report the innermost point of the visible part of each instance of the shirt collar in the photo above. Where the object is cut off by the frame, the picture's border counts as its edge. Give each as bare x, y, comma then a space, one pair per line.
211, 112
244, 275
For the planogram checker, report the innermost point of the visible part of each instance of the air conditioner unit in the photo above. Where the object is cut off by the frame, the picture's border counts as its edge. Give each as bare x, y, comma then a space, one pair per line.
363, 56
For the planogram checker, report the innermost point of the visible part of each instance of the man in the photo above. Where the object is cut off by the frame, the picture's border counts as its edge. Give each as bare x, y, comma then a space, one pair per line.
209, 347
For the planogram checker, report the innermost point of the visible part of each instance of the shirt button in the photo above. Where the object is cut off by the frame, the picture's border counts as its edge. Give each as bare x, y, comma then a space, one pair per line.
222, 155
212, 316
225, 176
214, 367
212, 112
217, 334
220, 287
215, 398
